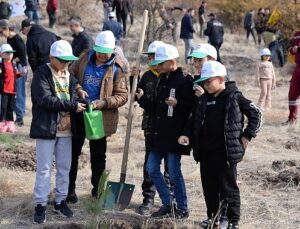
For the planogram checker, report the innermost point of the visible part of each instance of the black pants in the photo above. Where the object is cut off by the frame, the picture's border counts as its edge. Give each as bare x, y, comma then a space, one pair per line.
97, 156
218, 46
52, 18
219, 186
250, 31
8, 102
148, 186
122, 18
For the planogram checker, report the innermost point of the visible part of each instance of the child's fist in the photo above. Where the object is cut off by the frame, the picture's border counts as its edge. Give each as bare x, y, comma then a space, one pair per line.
184, 140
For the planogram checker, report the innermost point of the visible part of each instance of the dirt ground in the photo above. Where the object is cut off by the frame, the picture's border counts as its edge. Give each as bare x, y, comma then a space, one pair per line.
268, 177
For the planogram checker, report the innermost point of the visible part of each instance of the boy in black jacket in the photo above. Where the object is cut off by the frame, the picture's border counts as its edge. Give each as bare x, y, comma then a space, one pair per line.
170, 109
53, 97
219, 140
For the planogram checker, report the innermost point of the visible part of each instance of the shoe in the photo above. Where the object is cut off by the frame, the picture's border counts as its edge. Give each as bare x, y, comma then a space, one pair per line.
145, 207
72, 197
164, 211
10, 126
223, 222
3, 127
181, 214
19, 122
233, 226
207, 224
63, 209
40, 214
290, 121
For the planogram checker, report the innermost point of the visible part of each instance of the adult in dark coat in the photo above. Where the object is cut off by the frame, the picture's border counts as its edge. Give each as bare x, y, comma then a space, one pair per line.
123, 8
39, 41
249, 25
82, 41
201, 16
215, 33
114, 26
186, 32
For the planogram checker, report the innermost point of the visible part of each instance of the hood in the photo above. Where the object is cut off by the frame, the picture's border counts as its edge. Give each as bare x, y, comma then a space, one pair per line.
230, 87
36, 29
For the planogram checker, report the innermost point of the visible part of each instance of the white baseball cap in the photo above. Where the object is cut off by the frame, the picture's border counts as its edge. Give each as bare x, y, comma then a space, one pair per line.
112, 14
164, 53
6, 48
265, 52
204, 50
62, 50
212, 69
105, 42
153, 46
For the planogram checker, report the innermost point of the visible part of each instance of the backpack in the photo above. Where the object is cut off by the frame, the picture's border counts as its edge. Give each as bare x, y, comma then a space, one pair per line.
5, 10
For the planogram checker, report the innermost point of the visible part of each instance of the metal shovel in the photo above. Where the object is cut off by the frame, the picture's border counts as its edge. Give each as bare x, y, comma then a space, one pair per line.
118, 194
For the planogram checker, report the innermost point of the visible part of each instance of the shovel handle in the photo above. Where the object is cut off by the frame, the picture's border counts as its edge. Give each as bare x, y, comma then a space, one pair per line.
132, 97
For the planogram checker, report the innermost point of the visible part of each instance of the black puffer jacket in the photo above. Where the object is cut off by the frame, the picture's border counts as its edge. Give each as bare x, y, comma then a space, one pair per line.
236, 106
215, 32
46, 104
81, 42
165, 130
38, 44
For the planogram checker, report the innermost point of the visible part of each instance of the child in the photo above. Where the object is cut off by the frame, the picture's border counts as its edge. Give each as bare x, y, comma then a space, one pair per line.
266, 79
53, 99
8, 76
170, 109
219, 139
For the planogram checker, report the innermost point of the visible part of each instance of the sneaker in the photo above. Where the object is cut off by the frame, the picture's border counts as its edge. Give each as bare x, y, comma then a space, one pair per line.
72, 197
145, 207
164, 211
233, 226
223, 222
19, 122
63, 209
208, 224
10, 126
3, 127
40, 214
181, 214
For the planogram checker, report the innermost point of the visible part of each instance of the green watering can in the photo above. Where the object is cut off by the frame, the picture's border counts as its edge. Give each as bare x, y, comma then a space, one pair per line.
93, 123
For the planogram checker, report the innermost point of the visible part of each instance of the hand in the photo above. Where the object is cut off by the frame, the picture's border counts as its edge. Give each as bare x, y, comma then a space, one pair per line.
198, 90
82, 94
184, 140
245, 142
295, 49
139, 93
16, 59
135, 71
171, 101
99, 104
80, 107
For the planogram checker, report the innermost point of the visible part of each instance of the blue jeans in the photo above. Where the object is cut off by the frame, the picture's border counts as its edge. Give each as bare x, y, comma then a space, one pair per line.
33, 15
20, 106
174, 166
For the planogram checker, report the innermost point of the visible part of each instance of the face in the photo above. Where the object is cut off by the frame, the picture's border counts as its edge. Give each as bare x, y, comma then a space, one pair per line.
25, 30
74, 27
198, 63
167, 66
266, 58
192, 13
7, 56
4, 32
59, 65
150, 59
102, 57
214, 84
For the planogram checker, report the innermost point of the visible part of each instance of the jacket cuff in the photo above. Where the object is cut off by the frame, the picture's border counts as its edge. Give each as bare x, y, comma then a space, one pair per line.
247, 135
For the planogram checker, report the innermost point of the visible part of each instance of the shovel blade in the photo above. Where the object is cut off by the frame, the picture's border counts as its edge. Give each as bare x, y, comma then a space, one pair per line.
118, 195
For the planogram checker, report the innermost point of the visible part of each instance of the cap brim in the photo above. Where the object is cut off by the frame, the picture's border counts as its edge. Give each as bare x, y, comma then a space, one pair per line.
156, 62
202, 79
147, 53
103, 50
198, 55
11, 51
67, 58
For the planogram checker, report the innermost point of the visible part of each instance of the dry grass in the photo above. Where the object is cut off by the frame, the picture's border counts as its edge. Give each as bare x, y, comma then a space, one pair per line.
265, 204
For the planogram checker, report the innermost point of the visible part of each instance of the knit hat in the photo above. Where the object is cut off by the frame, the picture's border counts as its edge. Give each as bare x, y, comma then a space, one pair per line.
105, 42
164, 53
153, 46
204, 50
62, 50
212, 69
